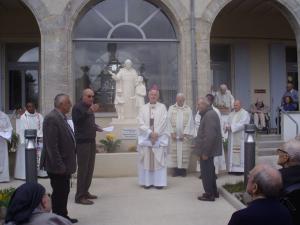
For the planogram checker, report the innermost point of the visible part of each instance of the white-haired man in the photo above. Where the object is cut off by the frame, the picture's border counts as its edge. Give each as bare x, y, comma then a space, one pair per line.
181, 129
224, 100
289, 159
153, 141
264, 185
235, 127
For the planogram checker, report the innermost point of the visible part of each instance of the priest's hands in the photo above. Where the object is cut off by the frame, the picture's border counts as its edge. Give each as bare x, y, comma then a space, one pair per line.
153, 137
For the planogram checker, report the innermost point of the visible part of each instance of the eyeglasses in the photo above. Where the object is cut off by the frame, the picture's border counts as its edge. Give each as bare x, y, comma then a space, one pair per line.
281, 151
90, 96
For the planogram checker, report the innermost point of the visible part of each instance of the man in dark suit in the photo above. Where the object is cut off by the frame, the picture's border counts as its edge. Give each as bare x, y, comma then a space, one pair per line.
59, 158
264, 185
208, 145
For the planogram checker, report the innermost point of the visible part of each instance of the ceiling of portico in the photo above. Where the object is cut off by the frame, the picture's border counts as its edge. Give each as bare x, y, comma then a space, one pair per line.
251, 7
259, 19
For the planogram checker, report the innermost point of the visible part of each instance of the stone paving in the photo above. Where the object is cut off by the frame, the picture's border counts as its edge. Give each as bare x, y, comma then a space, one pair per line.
123, 202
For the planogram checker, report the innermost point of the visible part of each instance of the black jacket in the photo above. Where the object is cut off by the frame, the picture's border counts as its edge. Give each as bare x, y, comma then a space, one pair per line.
84, 123
262, 212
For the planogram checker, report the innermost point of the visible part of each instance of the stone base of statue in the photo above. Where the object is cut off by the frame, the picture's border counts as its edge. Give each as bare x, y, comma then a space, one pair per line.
126, 130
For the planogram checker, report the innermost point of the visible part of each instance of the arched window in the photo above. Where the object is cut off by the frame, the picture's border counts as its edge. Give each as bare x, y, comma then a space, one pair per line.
111, 32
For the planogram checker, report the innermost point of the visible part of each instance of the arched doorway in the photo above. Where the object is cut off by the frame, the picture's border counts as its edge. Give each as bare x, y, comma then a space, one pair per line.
19, 55
254, 51
137, 30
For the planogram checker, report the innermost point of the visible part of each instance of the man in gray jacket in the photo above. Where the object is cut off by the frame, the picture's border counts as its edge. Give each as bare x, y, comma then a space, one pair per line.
208, 145
59, 159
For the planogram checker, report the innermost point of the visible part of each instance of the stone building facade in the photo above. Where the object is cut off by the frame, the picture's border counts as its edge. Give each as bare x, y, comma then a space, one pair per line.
245, 41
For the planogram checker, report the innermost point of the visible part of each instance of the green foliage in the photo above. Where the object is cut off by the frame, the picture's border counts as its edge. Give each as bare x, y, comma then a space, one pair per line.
5, 195
234, 188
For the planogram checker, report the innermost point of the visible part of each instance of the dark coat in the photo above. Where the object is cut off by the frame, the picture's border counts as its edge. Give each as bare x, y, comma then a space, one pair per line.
290, 175
59, 146
209, 135
262, 211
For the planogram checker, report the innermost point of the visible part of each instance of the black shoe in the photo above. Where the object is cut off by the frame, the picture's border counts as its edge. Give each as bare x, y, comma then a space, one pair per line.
183, 172
175, 172
72, 220
147, 187
207, 198
159, 187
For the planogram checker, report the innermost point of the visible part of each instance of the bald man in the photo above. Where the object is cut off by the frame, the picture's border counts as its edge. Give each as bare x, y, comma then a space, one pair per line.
85, 132
235, 128
264, 186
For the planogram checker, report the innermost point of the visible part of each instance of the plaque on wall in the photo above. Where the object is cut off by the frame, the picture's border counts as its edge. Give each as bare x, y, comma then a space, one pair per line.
259, 91
129, 134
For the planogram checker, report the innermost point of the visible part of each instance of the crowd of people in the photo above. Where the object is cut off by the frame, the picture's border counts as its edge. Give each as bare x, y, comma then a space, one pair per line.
166, 139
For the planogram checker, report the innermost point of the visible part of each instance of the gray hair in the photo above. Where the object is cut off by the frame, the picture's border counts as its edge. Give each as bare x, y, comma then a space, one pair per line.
203, 99
180, 95
268, 180
59, 99
292, 148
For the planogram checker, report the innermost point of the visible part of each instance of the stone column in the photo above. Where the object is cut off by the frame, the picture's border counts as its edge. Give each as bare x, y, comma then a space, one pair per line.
55, 63
203, 56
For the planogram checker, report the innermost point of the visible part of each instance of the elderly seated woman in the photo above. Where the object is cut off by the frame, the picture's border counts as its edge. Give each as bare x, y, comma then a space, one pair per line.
31, 205
260, 114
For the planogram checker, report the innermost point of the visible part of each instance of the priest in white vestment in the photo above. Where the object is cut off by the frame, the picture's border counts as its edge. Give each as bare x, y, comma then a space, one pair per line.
5, 135
153, 141
29, 120
181, 129
235, 126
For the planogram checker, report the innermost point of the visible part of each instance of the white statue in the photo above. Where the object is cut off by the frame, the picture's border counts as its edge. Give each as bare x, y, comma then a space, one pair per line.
140, 93
125, 88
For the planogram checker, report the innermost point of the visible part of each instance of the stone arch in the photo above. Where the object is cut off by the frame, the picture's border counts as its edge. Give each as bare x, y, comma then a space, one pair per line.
287, 7
175, 11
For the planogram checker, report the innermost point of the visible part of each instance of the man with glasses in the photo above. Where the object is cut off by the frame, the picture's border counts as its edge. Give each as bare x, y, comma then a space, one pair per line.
289, 159
85, 133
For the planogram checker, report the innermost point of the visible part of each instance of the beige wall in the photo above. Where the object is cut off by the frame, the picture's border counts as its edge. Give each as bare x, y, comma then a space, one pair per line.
259, 72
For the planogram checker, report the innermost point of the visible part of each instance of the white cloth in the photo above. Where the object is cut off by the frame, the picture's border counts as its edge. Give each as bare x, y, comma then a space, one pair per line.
28, 121
5, 135
236, 121
156, 173
180, 122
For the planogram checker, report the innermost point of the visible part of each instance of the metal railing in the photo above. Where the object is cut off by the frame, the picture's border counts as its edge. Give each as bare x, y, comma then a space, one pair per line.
290, 117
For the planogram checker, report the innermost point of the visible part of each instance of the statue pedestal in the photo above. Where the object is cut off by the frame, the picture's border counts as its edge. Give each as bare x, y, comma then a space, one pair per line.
126, 130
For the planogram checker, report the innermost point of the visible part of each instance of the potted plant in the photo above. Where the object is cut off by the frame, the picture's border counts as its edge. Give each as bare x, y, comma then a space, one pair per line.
110, 142
5, 195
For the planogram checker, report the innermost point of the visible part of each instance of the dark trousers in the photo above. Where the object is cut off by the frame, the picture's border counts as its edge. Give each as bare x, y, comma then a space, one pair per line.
61, 188
208, 176
86, 162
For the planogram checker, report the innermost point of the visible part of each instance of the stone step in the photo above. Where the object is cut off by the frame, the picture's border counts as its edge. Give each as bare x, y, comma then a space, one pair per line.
271, 160
268, 137
266, 151
269, 144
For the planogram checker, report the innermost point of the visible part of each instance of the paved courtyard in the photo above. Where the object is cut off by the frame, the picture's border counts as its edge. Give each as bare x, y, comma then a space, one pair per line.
123, 202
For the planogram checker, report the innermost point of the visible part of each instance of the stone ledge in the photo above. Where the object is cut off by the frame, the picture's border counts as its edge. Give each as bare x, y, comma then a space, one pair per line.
231, 199
119, 164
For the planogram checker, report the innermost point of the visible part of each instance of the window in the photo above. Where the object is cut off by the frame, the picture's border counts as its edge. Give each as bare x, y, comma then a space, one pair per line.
22, 74
137, 30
